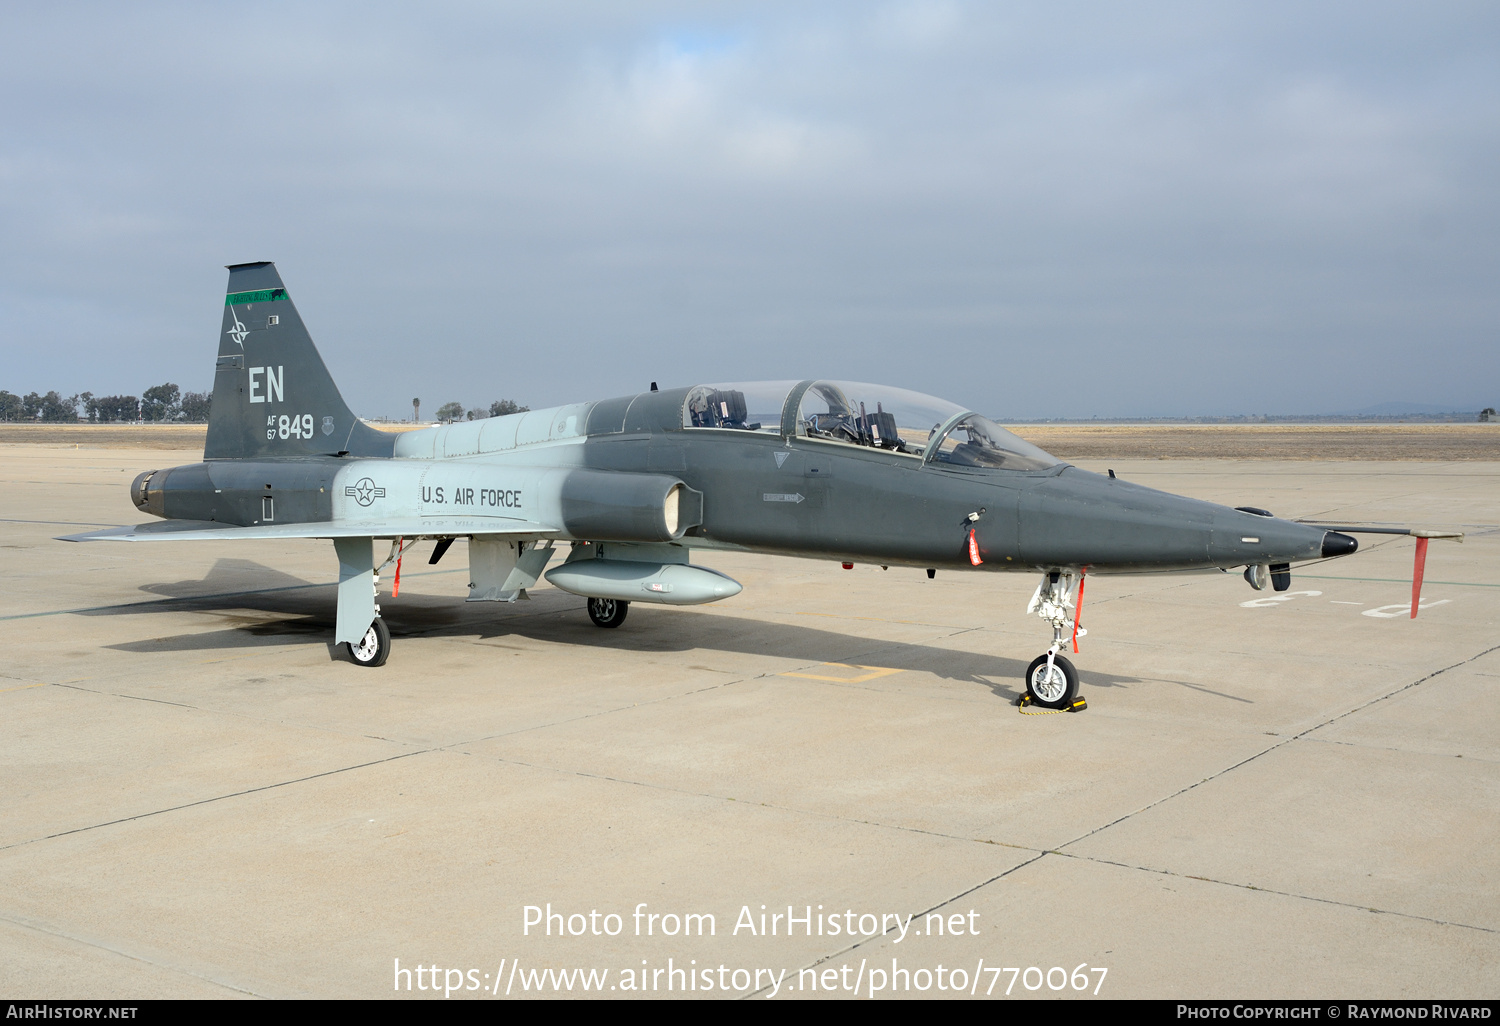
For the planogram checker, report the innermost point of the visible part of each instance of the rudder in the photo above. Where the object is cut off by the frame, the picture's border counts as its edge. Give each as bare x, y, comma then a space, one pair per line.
273, 395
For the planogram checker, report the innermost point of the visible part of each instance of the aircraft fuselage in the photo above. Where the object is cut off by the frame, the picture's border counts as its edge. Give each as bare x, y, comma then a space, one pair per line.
743, 490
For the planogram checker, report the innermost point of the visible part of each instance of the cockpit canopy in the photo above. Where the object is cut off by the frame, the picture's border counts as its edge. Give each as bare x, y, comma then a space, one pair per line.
745, 406
977, 441
856, 413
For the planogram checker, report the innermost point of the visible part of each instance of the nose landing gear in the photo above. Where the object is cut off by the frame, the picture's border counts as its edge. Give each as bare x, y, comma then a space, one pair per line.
1051, 680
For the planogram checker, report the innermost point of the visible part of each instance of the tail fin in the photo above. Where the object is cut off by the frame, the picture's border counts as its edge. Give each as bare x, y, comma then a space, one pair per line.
272, 394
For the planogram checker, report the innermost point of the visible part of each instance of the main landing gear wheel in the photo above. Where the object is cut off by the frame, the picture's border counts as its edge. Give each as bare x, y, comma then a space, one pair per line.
1051, 691
373, 648
607, 612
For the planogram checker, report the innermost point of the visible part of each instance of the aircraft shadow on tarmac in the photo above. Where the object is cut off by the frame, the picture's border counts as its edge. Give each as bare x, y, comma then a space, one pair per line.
258, 606
230, 576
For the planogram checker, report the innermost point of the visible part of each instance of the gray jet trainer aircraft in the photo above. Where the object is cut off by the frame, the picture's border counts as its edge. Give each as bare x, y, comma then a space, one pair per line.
630, 486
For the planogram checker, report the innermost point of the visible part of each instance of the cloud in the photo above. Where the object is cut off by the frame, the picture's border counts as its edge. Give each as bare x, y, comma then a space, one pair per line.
1038, 209
920, 24
689, 110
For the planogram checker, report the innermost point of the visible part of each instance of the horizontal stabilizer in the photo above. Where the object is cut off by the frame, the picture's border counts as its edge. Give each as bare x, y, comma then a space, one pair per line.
403, 527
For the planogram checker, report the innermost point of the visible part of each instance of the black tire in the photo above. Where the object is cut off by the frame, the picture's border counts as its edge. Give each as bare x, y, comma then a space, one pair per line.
1281, 576
1051, 694
608, 612
373, 648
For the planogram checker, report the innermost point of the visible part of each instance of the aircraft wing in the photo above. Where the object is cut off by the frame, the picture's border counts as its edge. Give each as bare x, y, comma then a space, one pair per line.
399, 527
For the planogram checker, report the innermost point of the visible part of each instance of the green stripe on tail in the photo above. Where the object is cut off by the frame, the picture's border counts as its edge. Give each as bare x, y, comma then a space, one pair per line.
259, 296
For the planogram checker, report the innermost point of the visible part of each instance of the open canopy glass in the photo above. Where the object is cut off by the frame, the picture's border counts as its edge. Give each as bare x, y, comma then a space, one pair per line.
743, 406
895, 420
977, 441
874, 415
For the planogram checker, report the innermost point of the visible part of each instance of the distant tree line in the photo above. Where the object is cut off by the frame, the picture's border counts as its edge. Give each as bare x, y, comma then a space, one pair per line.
168, 403
159, 404
449, 412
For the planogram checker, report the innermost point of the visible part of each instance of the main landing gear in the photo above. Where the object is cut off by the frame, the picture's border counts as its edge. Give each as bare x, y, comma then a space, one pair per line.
1051, 680
608, 612
373, 648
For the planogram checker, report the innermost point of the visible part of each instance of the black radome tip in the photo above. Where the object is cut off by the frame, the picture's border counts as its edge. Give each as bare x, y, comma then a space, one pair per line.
1335, 544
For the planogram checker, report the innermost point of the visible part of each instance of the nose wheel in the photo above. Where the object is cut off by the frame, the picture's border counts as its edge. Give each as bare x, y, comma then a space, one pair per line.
1051, 681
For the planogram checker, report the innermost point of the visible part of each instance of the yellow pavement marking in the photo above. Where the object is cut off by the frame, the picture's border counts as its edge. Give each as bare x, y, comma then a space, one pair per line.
876, 671
23, 687
879, 619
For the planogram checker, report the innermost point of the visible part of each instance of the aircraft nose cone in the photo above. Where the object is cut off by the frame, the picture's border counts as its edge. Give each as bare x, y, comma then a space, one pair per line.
1335, 544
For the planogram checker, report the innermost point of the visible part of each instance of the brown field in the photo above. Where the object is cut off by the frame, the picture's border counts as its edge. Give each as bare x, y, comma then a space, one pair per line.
106, 436
1425, 442
123, 436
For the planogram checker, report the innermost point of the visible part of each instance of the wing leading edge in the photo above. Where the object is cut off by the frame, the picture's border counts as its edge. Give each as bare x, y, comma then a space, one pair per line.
401, 527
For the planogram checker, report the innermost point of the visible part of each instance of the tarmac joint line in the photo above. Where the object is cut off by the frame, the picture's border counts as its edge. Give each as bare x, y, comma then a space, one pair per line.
1285, 741
915, 915
1272, 890
1249, 759
215, 798
27, 924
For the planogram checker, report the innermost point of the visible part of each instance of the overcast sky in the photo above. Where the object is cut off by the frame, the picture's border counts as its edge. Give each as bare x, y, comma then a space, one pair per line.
1034, 210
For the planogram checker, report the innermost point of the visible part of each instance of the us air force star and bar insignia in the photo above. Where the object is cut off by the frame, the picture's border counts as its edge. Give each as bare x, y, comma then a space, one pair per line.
364, 491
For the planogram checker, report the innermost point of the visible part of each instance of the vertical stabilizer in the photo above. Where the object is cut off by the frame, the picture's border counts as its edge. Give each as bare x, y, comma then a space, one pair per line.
272, 394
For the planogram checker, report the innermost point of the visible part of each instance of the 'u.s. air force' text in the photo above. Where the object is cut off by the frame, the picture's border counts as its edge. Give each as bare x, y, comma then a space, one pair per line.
507, 498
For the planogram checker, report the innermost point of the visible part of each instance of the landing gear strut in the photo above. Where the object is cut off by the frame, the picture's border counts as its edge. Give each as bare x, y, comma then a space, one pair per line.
361, 632
1051, 680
